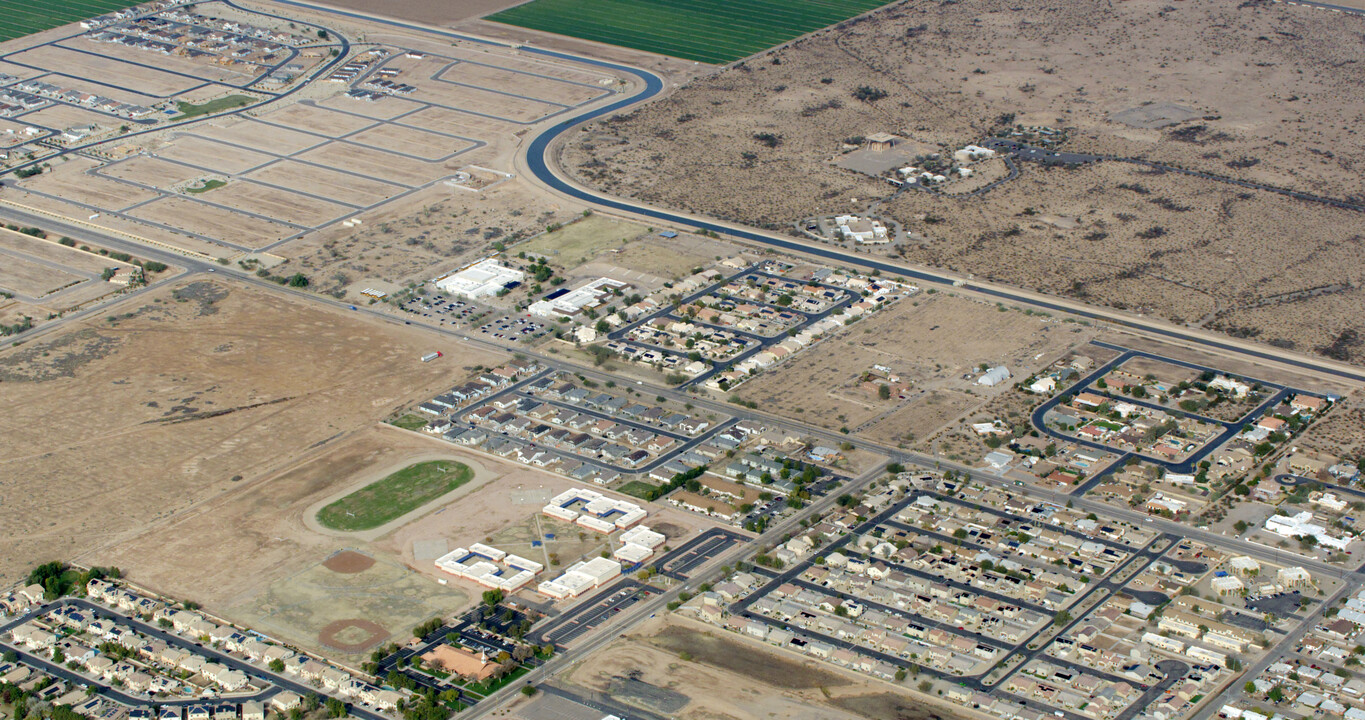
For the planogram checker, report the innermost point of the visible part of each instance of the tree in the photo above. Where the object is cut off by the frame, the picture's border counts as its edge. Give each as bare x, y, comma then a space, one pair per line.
1062, 618
528, 690
298, 280
276, 665
491, 598
925, 686
884, 391
1249, 688
900, 674
335, 708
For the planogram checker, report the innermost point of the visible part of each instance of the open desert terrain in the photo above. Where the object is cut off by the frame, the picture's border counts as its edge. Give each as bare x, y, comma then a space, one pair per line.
125, 422
1256, 92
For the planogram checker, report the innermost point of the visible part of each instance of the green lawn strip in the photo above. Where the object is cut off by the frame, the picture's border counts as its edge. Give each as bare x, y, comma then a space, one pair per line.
637, 488
210, 185
394, 496
188, 110
410, 422
489, 687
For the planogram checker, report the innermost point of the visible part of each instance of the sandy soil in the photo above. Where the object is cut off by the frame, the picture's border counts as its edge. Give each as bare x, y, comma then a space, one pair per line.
1272, 102
778, 685
179, 403
933, 343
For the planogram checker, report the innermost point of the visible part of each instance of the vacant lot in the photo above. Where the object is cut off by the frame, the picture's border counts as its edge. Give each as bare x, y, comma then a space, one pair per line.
18, 19
724, 676
575, 243
344, 614
210, 386
394, 496
712, 31
943, 75
935, 344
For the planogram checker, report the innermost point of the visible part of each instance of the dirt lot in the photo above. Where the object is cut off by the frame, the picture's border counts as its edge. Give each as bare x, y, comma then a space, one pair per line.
30, 278
1273, 105
193, 402
415, 239
344, 614
212, 222
933, 343
146, 81
73, 183
729, 677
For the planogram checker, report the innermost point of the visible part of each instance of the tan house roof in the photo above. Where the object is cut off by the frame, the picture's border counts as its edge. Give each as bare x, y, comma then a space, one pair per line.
461, 661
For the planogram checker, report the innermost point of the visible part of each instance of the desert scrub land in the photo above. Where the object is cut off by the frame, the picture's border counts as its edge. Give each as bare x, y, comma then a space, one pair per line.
1262, 92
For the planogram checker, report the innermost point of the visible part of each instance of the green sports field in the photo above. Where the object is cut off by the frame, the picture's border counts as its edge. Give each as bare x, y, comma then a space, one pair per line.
25, 17
710, 31
394, 496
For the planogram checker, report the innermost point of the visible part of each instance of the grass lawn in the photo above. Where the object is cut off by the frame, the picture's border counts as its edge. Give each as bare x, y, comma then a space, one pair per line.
207, 186
710, 31
489, 686
578, 242
398, 494
218, 105
410, 422
24, 17
638, 488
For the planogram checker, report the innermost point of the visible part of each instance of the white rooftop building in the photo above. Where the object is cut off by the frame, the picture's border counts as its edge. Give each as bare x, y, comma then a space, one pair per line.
581, 577
490, 567
589, 295
481, 279
994, 376
1302, 524
595, 511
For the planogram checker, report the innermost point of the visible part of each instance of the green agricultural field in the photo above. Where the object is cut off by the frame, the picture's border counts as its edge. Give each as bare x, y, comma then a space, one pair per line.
24, 17
639, 489
188, 110
394, 496
710, 31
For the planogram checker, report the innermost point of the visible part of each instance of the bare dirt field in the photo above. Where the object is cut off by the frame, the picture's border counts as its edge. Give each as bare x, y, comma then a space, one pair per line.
724, 677
119, 226
315, 118
385, 108
932, 343
51, 251
212, 222
345, 614
377, 163
276, 203
31, 278
339, 186
418, 237
201, 152
1274, 102
73, 184
258, 136
408, 141
524, 83
211, 386
143, 80
152, 171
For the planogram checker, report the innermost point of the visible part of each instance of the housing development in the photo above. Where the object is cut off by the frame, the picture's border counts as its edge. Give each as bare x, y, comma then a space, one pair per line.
580, 360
